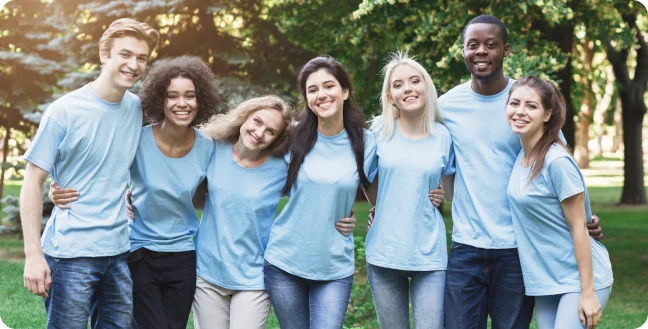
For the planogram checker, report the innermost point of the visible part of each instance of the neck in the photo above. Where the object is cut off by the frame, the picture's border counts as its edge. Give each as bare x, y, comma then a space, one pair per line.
105, 89
491, 87
331, 126
529, 142
173, 135
244, 154
410, 123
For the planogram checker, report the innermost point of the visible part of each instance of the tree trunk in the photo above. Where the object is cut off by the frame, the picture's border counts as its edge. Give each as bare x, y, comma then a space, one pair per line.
617, 141
631, 92
3, 165
602, 105
581, 149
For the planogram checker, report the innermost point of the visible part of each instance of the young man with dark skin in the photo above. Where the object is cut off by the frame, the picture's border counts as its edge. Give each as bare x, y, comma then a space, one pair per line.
484, 275
87, 139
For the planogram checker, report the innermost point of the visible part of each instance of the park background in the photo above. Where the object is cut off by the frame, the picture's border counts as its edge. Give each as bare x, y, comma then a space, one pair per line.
596, 50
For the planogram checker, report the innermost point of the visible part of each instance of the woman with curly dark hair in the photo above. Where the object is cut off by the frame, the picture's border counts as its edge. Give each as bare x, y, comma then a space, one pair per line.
309, 265
171, 161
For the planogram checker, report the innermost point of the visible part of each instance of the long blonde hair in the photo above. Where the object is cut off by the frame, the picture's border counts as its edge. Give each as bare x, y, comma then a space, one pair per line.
227, 126
391, 112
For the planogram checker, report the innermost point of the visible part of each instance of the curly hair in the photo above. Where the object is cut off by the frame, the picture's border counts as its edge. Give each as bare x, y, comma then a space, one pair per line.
227, 126
154, 89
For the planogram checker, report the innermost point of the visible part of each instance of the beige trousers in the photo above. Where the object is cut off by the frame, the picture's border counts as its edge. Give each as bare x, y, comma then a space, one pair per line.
215, 307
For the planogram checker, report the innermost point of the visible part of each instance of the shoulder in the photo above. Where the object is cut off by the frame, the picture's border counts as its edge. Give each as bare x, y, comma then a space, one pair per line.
441, 129
556, 151
370, 137
454, 93
132, 99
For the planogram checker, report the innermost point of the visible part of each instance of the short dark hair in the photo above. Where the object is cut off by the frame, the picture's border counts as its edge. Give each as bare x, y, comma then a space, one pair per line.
487, 19
153, 90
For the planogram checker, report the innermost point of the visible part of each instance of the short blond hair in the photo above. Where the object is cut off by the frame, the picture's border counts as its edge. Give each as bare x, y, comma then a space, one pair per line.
127, 27
227, 126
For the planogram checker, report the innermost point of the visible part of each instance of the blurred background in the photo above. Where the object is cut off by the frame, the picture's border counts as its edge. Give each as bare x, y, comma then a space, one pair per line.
596, 50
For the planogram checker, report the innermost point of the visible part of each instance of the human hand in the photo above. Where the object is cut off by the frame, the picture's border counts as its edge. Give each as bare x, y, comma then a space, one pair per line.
62, 196
372, 215
346, 225
589, 309
594, 229
37, 276
436, 196
129, 205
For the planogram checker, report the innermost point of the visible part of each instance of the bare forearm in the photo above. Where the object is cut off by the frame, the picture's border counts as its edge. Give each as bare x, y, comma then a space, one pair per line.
583, 252
372, 192
31, 208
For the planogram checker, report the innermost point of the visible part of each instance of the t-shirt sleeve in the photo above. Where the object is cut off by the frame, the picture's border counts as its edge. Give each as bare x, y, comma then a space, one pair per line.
44, 148
566, 178
371, 159
450, 166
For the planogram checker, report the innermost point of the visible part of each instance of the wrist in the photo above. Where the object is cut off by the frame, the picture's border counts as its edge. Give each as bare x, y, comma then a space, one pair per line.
33, 251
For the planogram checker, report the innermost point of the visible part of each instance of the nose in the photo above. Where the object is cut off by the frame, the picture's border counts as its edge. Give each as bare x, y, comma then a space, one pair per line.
132, 63
481, 50
182, 102
519, 111
321, 94
407, 88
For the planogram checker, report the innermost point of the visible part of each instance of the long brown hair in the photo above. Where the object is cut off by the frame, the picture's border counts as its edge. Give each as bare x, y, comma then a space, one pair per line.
553, 101
305, 134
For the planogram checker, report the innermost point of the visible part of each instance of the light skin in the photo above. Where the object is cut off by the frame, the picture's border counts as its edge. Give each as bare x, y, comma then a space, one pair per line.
325, 97
526, 117
123, 65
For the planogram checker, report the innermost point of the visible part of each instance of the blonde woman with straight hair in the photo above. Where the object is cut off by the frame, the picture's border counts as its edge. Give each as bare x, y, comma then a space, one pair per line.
406, 245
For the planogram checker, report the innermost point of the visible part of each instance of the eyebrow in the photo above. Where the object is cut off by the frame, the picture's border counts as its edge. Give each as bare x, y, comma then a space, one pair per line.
325, 82
124, 50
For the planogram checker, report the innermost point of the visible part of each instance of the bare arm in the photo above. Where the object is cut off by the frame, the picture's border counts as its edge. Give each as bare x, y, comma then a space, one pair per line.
371, 193
448, 186
37, 273
589, 306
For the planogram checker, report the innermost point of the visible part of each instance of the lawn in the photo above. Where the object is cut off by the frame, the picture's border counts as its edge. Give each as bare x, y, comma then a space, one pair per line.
624, 227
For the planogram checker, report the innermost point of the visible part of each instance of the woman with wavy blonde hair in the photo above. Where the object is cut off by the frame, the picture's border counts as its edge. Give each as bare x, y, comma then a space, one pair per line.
245, 177
406, 245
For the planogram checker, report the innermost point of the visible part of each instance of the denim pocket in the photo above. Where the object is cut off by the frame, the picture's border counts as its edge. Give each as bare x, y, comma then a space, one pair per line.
53, 265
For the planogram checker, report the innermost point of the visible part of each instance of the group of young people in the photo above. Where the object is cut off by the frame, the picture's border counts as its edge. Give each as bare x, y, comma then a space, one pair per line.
520, 206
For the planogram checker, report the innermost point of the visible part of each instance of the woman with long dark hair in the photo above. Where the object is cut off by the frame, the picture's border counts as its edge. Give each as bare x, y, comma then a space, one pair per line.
568, 272
309, 264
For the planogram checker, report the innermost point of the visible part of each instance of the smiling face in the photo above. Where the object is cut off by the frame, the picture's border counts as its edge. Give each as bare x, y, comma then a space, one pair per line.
261, 128
324, 94
525, 113
484, 51
407, 88
126, 62
181, 105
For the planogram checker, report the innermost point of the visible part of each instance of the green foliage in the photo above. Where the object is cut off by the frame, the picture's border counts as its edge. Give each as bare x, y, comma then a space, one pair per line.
11, 220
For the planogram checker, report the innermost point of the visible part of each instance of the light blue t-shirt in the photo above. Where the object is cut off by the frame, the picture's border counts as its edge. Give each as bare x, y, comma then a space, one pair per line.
544, 239
408, 232
88, 144
236, 220
162, 192
303, 238
485, 149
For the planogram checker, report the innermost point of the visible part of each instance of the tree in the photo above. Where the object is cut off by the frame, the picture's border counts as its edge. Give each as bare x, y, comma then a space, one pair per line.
29, 65
631, 92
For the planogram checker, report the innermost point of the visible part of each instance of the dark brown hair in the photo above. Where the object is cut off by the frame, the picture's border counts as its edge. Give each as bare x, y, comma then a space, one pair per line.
305, 134
154, 89
553, 101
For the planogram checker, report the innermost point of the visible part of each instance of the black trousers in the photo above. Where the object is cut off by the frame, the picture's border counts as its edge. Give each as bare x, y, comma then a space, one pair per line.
163, 288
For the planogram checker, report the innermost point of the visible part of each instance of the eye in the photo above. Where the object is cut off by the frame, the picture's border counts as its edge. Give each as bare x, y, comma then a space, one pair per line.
312, 91
416, 80
329, 86
172, 96
513, 103
142, 59
397, 85
257, 121
271, 133
191, 96
124, 55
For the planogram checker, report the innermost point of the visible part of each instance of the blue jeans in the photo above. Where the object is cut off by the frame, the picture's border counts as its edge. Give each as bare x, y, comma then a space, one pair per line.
482, 282
391, 288
561, 311
82, 286
301, 303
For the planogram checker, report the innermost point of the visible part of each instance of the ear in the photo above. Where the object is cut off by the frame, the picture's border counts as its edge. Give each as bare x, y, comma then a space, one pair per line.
103, 56
507, 49
547, 115
346, 93
463, 51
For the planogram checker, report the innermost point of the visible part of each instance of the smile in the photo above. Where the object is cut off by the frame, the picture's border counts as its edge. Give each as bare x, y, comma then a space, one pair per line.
325, 105
410, 99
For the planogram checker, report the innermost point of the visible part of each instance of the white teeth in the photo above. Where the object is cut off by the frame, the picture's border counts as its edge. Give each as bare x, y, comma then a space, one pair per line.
181, 113
411, 98
325, 105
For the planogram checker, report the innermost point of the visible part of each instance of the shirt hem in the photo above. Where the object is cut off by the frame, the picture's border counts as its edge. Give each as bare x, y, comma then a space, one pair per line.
565, 290
287, 269
227, 286
485, 246
79, 255
152, 248
425, 268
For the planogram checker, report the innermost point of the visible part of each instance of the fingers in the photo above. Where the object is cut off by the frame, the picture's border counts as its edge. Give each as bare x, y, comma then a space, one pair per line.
582, 317
436, 197
55, 185
352, 213
441, 186
590, 321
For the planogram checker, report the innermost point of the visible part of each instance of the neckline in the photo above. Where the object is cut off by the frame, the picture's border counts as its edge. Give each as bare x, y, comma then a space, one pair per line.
185, 157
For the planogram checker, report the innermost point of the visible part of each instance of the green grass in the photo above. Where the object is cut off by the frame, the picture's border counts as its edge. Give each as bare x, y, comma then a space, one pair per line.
625, 238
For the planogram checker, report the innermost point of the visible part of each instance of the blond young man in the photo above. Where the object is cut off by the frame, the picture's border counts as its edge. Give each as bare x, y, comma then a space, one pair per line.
87, 139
